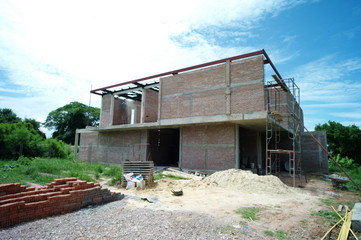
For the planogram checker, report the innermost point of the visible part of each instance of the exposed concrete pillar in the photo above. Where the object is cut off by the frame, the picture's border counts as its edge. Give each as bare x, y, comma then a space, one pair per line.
111, 110
180, 148
76, 144
160, 100
142, 109
228, 87
236, 147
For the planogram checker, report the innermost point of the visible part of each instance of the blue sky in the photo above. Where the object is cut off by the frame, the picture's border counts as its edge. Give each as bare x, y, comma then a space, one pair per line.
54, 52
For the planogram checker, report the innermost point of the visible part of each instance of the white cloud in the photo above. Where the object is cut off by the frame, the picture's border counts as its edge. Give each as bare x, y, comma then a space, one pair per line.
327, 90
326, 80
55, 50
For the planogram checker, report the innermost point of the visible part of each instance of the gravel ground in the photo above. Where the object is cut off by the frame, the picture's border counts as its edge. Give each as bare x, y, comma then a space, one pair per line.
119, 220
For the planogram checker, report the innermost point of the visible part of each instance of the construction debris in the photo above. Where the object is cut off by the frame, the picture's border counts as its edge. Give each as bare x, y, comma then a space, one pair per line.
19, 203
177, 192
146, 169
177, 173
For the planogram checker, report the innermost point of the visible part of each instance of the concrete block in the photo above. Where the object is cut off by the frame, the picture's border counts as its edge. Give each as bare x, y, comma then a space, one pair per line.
356, 218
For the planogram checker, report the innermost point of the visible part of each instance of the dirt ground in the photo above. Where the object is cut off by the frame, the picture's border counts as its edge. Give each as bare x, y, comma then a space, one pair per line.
282, 208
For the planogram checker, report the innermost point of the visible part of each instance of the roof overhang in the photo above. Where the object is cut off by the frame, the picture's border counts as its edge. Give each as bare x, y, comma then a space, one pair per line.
133, 89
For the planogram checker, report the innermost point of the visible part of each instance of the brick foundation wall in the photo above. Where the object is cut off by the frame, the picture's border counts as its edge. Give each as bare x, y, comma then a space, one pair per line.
208, 147
19, 203
113, 147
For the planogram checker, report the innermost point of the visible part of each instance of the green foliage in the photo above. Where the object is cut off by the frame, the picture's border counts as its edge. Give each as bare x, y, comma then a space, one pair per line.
36, 126
281, 235
19, 139
55, 148
65, 120
355, 174
268, 233
330, 216
8, 116
115, 172
343, 140
249, 212
345, 162
22, 139
45, 170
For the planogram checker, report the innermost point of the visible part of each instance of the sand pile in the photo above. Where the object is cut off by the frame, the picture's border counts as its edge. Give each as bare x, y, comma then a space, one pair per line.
247, 181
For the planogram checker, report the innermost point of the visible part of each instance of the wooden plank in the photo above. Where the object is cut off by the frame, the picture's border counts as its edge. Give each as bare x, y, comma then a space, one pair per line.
146, 169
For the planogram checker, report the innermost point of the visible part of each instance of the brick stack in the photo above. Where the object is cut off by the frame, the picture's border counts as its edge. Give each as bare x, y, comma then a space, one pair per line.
19, 203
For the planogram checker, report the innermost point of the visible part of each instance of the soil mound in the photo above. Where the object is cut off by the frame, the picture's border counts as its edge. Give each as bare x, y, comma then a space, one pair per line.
237, 179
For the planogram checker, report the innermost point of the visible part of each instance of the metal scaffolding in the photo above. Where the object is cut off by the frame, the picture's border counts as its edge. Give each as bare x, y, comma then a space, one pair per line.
282, 101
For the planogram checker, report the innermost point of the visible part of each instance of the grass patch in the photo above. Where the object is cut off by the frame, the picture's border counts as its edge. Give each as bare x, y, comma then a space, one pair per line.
329, 216
268, 233
45, 170
249, 213
281, 235
332, 202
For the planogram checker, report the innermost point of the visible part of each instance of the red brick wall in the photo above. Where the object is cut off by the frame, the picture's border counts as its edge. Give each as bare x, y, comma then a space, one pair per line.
105, 111
203, 92
208, 147
19, 204
151, 106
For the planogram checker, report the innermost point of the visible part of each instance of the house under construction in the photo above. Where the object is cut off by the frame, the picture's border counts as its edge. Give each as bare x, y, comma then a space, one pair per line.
213, 116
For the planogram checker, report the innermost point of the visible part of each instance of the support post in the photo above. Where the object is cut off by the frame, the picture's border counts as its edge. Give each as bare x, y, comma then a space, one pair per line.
76, 145
228, 87
142, 109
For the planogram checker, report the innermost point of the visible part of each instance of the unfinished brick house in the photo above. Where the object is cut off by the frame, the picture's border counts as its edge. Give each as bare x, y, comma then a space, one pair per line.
213, 116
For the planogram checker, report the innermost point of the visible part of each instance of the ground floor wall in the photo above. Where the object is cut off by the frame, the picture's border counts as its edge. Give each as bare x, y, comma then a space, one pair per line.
200, 147
209, 147
113, 147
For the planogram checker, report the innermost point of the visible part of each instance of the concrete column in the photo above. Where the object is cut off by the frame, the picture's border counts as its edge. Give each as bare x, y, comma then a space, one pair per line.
160, 100
228, 87
236, 147
142, 109
76, 145
180, 148
111, 110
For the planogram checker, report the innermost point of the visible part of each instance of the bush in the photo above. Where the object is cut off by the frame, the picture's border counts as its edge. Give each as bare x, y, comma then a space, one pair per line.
53, 148
345, 162
17, 139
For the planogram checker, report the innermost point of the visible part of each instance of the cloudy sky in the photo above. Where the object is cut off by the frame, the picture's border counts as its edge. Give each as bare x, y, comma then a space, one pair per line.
54, 52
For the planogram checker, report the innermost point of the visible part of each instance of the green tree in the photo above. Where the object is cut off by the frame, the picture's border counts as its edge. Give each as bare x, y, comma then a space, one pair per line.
17, 139
65, 120
342, 140
8, 116
36, 125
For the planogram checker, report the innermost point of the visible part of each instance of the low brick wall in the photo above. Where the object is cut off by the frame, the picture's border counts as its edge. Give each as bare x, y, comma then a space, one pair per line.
19, 203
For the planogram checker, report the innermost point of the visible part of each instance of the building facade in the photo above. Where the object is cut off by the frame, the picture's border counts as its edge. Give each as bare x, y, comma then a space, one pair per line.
213, 116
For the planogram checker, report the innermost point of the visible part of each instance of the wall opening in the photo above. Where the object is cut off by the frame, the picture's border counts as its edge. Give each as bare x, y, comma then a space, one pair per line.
251, 150
164, 146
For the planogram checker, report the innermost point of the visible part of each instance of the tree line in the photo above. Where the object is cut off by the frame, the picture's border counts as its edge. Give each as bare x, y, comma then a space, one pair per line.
23, 137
